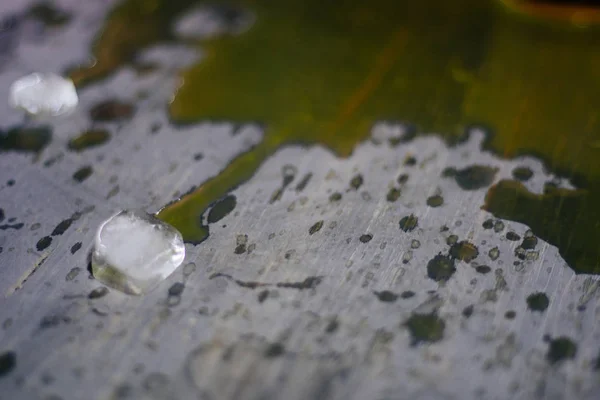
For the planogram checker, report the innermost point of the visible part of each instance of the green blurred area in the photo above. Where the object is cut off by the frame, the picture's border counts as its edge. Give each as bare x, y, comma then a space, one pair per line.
325, 72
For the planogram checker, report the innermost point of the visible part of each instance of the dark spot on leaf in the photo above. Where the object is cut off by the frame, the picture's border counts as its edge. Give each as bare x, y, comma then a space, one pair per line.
386, 296
98, 293
402, 179
538, 302
393, 194
366, 238
73, 273
449, 172
468, 311
87, 139
410, 161
356, 182
409, 223
309, 283
43, 243
332, 326
221, 209
111, 110
25, 139
47, 13
464, 251
427, 328
440, 268
475, 177
62, 227
75, 247
198, 156
510, 314
335, 197
483, 269
316, 227
262, 296
407, 294
8, 362
488, 224
176, 289
512, 236
529, 243
302, 184
435, 201
83, 173
51, 321
561, 349
240, 249
522, 174
274, 350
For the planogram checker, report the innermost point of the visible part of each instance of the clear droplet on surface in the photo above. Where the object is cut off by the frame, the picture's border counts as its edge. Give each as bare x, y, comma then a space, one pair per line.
134, 251
43, 95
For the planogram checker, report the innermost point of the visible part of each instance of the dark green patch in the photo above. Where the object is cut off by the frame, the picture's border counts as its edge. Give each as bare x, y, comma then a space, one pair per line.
451, 240
560, 349
512, 236
98, 293
538, 302
335, 197
22, 139
393, 194
522, 174
529, 243
427, 328
409, 223
402, 179
316, 227
88, 139
366, 238
43, 243
8, 362
483, 269
464, 251
475, 177
111, 110
435, 201
386, 296
221, 209
440, 268
83, 173
449, 172
567, 219
410, 161
47, 13
488, 224
356, 182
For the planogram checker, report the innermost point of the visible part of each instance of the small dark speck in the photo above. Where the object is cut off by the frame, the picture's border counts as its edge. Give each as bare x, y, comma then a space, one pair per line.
98, 293
488, 224
512, 236
482, 269
366, 238
240, 249
73, 274
538, 302
335, 197
176, 289
75, 247
332, 326
274, 350
467, 311
529, 243
402, 179
8, 362
43, 243
560, 349
410, 161
393, 194
356, 182
386, 296
262, 296
435, 201
407, 294
316, 227
10, 182
409, 223
510, 314
198, 156
83, 173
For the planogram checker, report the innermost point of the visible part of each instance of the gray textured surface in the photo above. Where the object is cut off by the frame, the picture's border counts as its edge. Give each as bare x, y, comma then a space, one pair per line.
217, 340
